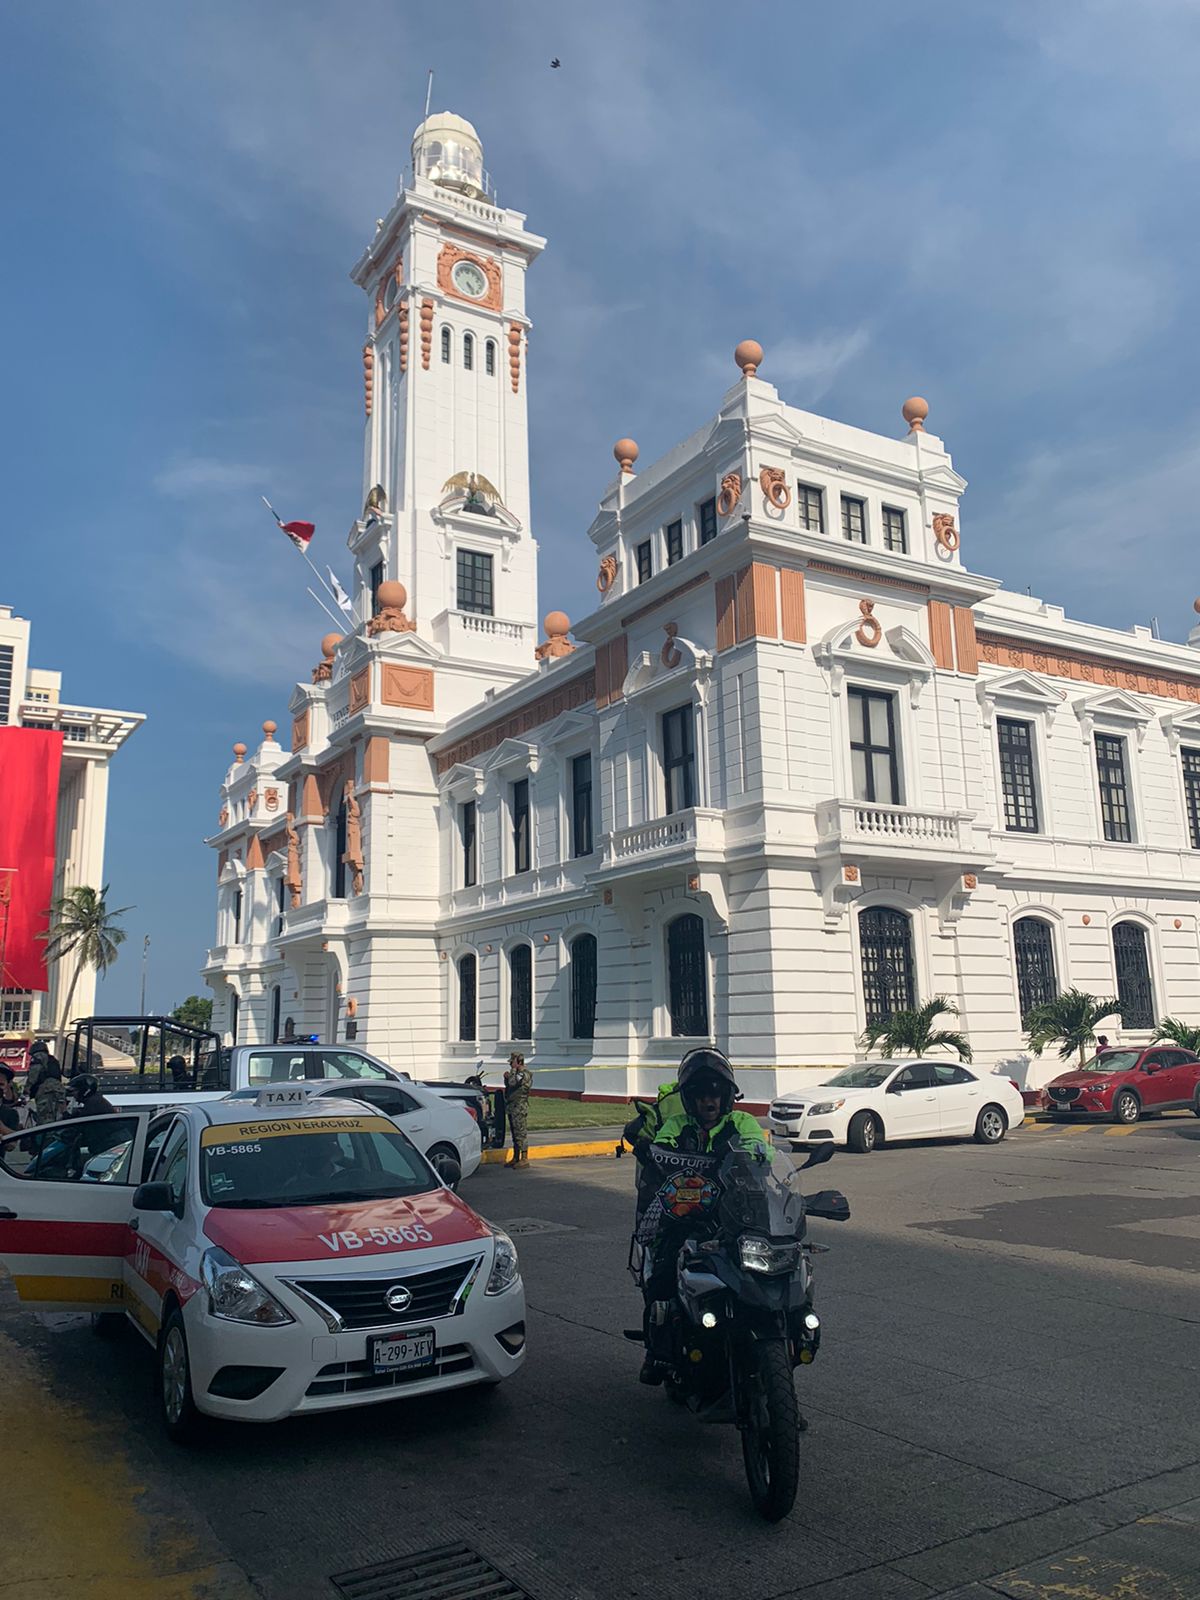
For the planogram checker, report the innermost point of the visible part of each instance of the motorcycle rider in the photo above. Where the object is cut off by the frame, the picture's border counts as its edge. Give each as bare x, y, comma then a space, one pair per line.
707, 1125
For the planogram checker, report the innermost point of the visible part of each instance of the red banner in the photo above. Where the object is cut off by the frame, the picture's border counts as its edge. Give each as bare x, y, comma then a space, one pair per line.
30, 759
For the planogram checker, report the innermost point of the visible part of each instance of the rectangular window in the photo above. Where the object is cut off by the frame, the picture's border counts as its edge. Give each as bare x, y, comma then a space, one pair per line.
475, 582
895, 536
280, 903
467, 1019
645, 561
1017, 785
874, 767
679, 758
489, 353
707, 513
1191, 789
375, 579
1114, 788
467, 836
16, 1009
237, 916
581, 806
520, 825
339, 854
674, 543
810, 503
854, 520
6, 681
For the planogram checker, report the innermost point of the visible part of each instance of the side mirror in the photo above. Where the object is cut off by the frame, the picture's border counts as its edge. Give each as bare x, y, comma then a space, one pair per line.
818, 1156
895, 1087
830, 1204
153, 1197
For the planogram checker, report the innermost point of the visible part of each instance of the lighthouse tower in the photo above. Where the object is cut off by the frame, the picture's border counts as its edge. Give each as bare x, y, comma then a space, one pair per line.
446, 450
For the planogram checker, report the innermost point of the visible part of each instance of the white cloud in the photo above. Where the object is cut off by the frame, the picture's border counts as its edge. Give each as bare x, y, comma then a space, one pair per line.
203, 475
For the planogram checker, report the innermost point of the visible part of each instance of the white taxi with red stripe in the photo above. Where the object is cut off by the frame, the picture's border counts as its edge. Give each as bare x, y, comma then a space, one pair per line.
283, 1256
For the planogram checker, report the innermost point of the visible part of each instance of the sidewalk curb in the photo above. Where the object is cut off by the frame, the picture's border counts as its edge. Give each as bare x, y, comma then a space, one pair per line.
545, 1152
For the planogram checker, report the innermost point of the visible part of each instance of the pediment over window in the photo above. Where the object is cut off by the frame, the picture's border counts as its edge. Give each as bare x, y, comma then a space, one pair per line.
461, 781
517, 753
679, 664
1022, 689
1181, 727
896, 655
570, 725
1114, 706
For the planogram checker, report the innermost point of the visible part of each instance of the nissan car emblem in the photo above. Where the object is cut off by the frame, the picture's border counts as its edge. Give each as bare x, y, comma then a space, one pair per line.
398, 1298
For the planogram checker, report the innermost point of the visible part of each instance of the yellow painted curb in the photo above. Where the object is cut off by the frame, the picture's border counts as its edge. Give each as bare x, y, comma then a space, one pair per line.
545, 1152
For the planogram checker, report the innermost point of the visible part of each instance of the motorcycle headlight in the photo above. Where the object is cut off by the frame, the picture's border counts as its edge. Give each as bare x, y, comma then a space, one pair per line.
506, 1269
761, 1255
236, 1296
825, 1107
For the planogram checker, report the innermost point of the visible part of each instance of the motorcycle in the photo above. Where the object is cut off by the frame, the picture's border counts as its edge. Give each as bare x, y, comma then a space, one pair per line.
740, 1318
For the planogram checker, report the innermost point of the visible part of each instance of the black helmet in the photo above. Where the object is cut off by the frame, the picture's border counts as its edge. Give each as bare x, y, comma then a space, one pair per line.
84, 1085
705, 1068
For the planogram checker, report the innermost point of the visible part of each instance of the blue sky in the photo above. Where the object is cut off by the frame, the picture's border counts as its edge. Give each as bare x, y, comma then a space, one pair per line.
992, 205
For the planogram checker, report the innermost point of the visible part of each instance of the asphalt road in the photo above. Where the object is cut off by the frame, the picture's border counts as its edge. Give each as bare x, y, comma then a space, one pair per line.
1004, 1404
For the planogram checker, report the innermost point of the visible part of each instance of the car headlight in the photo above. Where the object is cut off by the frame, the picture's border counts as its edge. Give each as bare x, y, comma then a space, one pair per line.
235, 1295
506, 1269
1101, 1088
760, 1255
825, 1107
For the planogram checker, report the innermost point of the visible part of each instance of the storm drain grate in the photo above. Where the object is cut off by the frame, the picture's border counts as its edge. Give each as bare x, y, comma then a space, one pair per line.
451, 1572
537, 1225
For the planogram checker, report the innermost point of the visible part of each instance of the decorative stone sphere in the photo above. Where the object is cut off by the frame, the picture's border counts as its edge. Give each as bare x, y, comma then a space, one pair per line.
748, 356
1196, 606
269, 728
391, 596
556, 624
626, 452
239, 750
914, 411
329, 644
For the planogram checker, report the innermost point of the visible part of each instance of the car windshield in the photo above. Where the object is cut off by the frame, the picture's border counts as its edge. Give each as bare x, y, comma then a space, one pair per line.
1111, 1061
309, 1161
866, 1075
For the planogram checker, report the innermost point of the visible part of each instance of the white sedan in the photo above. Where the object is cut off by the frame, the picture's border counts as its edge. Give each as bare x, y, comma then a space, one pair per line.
444, 1131
292, 1254
908, 1098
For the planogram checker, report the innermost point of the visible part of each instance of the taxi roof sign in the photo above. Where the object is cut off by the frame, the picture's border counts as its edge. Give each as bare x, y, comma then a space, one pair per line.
282, 1094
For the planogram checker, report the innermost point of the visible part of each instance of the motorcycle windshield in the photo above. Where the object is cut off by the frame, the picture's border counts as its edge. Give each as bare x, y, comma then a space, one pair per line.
760, 1192
686, 1192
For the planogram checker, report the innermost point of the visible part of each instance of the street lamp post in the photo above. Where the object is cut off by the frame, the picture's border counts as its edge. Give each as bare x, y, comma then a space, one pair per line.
145, 954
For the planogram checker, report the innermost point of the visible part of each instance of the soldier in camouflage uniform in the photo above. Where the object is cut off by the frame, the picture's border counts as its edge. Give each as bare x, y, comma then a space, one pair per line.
518, 1081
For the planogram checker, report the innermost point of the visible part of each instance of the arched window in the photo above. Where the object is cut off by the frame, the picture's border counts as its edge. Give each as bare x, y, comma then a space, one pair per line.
520, 992
687, 977
468, 351
1134, 988
583, 986
467, 1026
1033, 948
339, 852
275, 1004
885, 944
445, 344
489, 358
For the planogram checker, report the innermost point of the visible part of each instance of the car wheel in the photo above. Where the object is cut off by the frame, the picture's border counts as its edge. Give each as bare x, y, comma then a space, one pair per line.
863, 1132
180, 1417
445, 1162
1127, 1108
991, 1125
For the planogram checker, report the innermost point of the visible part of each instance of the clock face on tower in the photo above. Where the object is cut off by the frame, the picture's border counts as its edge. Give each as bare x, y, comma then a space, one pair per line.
469, 280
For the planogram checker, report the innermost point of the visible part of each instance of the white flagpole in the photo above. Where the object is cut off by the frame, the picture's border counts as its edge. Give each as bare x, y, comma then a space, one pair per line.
339, 622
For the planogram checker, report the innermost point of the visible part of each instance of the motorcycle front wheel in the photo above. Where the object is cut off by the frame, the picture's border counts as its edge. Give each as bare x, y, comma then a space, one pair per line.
771, 1430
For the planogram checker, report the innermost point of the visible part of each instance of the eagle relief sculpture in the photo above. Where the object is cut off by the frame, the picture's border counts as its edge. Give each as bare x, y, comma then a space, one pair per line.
481, 497
353, 854
293, 880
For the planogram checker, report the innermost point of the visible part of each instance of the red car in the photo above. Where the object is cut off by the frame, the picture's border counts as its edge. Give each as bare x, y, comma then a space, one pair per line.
1125, 1084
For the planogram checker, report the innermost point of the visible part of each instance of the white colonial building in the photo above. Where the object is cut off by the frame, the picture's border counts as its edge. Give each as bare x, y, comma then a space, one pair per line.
801, 765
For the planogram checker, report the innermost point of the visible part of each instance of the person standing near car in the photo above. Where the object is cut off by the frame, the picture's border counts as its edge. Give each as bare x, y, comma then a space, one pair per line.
50, 1097
518, 1081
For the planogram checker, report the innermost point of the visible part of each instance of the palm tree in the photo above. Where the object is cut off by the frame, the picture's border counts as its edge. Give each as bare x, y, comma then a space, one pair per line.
913, 1033
1069, 1021
1183, 1034
81, 925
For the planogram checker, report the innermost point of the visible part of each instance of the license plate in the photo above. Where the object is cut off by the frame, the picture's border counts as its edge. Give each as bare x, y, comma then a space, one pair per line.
395, 1353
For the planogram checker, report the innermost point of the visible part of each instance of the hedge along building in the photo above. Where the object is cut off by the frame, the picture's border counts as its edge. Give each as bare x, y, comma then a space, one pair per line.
800, 767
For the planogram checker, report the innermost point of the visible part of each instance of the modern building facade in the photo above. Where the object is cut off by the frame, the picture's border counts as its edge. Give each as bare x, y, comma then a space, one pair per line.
31, 697
800, 767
